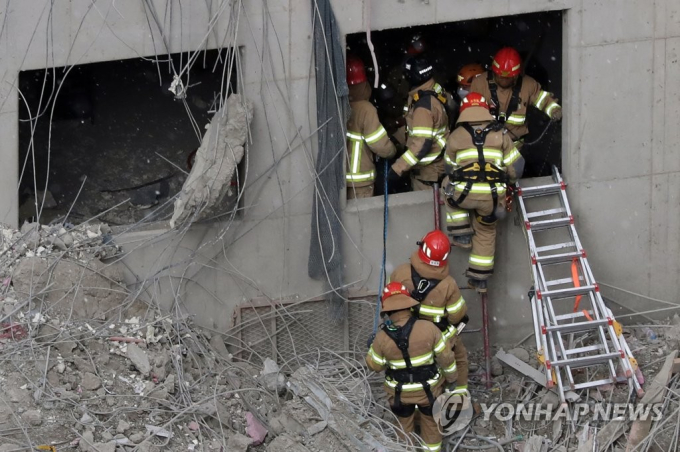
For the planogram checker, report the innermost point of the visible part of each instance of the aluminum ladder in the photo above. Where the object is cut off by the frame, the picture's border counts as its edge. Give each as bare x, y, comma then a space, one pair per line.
575, 332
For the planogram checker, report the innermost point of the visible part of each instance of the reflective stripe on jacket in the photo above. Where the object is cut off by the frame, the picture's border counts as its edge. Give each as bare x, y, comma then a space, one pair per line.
530, 94
426, 344
365, 137
445, 300
427, 127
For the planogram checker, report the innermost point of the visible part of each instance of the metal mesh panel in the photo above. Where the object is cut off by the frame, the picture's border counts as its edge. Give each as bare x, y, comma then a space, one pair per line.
361, 313
307, 327
297, 328
257, 328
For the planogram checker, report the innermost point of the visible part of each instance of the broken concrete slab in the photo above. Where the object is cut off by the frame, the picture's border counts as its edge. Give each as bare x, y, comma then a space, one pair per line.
538, 376
286, 443
91, 382
221, 149
32, 417
654, 394
238, 443
139, 359
520, 354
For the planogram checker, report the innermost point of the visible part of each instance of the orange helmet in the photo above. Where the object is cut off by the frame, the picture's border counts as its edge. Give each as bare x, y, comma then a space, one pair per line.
468, 72
356, 73
395, 297
506, 62
434, 248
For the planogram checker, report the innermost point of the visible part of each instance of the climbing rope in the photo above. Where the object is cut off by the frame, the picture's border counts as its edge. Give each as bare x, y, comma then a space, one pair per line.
383, 275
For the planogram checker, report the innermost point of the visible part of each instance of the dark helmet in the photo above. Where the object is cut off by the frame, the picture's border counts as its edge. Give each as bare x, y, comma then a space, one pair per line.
417, 70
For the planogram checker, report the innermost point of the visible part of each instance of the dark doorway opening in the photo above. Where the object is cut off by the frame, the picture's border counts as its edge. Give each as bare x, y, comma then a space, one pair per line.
537, 36
104, 133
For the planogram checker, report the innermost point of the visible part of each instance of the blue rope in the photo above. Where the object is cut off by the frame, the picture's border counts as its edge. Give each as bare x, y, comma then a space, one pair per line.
383, 276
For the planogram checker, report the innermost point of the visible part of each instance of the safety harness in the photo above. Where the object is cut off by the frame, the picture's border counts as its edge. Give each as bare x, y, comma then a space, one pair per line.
422, 287
411, 374
513, 105
421, 100
478, 172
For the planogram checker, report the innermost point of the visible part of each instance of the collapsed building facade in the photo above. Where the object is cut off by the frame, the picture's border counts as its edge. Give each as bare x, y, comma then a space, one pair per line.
236, 258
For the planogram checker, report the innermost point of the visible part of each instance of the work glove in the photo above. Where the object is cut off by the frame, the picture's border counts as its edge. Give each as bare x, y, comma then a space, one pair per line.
392, 176
371, 338
556, 114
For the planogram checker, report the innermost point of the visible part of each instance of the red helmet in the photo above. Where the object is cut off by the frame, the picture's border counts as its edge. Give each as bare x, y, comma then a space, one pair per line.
434, 248
506, 62
355, 71
473, 100
394, 288
401, 299
468, 72
417, 45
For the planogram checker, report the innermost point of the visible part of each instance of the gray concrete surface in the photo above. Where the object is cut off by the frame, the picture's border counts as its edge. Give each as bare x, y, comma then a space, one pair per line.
620, 136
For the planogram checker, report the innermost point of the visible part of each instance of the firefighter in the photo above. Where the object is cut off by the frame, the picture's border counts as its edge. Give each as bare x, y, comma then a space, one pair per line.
427, 279
481, 160
509, 94
416, 361
465, 77
365, 135
426, 127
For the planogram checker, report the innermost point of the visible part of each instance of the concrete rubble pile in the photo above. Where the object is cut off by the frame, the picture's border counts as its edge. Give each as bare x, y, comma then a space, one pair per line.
83, 368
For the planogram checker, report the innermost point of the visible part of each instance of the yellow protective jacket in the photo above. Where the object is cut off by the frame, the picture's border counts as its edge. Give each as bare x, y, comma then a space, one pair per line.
426, 345
498, 148
365, 136
444, 301
530, 94
427, 130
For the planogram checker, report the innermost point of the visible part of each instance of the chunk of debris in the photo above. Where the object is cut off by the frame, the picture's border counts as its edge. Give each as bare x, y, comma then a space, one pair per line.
32, 417
520, 354
91, 382
238, 443
255, 429
286, 443
139, 359
220, 151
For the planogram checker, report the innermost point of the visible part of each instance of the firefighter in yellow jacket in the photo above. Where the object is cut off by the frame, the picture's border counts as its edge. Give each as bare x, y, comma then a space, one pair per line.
427, 278
365, 135
509, 94
426, 127
416, 361
481, 161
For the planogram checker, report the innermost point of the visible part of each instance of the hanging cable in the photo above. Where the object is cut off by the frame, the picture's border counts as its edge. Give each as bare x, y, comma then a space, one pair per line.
383, 275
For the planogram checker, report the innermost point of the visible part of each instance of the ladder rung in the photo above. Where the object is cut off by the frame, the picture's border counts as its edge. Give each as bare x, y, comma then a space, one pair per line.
557, 246
549, 224
574, 315
569, 292
589, 348
586, 360
543, 213
578, 326
593, 384
556, 258
557, 282
539, 190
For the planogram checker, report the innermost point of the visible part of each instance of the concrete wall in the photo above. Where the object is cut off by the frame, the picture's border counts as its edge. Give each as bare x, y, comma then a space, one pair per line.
620, 132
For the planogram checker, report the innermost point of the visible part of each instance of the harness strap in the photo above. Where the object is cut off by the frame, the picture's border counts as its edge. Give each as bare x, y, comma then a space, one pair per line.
422, 286
513, 105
